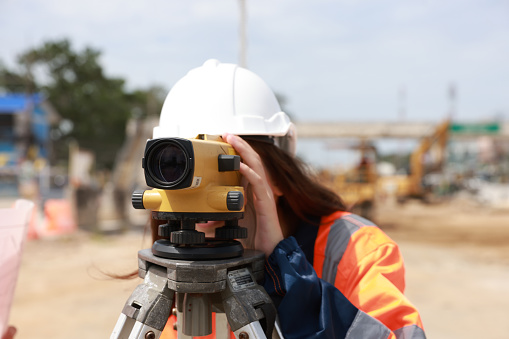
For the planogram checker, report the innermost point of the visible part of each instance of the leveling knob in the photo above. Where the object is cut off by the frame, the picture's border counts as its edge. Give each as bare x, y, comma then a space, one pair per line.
165, 230
228, 233
231, 230
188, 237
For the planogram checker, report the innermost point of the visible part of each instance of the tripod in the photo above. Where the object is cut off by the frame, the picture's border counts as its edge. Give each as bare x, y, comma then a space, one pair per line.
227, 286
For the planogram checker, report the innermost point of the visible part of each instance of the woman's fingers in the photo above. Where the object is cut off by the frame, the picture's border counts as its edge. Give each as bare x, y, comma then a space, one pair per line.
267, 222
248, 155
251, 168
261, 189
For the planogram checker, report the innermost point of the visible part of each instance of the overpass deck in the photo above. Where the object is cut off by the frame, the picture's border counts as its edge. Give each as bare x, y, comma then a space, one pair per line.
396, 130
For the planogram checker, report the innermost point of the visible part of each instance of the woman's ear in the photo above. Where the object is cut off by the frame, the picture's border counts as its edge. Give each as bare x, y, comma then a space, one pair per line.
275, 189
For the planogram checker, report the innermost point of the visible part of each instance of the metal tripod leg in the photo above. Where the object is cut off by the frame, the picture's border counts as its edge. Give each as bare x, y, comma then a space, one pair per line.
254, 330
229, 286
246, 304
147, 310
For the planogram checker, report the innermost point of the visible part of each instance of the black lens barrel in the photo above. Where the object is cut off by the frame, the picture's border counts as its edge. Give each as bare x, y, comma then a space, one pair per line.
169, 163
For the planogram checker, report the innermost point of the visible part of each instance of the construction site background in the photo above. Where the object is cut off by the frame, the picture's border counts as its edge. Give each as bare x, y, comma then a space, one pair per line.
453, 235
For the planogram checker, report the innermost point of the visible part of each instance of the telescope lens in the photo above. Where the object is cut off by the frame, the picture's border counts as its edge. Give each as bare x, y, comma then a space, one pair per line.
168, 163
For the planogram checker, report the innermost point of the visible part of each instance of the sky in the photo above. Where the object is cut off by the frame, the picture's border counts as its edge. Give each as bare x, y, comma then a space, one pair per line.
332, 60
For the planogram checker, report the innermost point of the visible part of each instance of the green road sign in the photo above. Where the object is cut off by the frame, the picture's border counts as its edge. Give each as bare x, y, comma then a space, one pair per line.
490, 128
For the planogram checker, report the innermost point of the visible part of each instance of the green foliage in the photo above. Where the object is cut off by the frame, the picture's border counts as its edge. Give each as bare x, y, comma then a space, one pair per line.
95, 108
11, 81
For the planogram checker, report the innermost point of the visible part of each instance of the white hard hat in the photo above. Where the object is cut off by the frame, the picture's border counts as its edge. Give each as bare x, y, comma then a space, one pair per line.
219, 98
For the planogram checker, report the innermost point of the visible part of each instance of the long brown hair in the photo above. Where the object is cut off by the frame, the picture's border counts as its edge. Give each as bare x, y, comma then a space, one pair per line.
303, 197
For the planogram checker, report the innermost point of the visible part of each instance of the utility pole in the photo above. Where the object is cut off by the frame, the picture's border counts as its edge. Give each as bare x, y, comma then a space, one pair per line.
242, 34
402, 104
452, 101
402, 98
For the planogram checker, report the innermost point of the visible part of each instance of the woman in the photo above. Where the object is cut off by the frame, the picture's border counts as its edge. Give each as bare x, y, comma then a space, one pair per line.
331, 274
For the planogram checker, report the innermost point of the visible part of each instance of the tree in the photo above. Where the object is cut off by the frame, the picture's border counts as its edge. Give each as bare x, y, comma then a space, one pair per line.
11, 81
94, 107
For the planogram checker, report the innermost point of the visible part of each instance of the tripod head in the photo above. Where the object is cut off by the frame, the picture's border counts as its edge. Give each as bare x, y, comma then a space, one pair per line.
194, 181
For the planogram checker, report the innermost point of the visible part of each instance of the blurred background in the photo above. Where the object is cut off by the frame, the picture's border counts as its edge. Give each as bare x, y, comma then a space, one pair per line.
402, 107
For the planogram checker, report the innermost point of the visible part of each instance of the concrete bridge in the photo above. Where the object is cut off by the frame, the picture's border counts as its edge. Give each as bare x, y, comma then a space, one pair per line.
414, 130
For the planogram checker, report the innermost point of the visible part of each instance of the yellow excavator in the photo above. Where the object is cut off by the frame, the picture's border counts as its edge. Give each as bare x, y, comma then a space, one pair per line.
360, 186
428, 157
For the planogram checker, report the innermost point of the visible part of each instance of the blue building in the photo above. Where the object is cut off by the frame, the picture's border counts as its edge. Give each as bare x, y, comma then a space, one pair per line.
25, 122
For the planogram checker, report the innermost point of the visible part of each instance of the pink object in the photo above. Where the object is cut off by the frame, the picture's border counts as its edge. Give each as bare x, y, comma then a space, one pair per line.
58, 218
13, 228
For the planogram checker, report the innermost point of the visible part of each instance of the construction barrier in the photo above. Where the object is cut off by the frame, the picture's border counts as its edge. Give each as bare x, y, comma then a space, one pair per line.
58, 218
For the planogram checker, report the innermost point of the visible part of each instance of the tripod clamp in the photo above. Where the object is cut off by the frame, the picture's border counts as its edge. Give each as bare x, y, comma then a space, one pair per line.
226, 286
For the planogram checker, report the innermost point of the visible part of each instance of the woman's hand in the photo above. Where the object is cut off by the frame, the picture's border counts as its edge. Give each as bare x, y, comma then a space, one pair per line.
9, 334
268, 230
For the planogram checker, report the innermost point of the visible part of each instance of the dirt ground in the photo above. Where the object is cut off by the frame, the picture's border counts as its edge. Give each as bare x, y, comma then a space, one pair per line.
456, 254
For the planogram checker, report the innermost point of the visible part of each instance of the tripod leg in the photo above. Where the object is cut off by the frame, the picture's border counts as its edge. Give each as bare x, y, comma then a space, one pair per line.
179, 304
222, 327
193, 324
277, 334
252, 331
247, 306
148, 308
255, 331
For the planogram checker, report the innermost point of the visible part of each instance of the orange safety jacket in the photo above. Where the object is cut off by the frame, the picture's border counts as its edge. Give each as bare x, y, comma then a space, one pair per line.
366, 266
354, 288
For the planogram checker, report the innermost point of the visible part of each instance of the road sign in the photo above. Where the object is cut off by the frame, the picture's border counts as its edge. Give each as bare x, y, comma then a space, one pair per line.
490, 128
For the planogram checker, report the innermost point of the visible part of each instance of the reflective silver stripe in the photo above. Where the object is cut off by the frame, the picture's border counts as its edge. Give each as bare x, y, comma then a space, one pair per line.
339, 236
357, 219
410, 332
367, 327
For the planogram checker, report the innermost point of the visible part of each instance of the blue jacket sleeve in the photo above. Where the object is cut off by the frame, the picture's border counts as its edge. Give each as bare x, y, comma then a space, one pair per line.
309, 307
